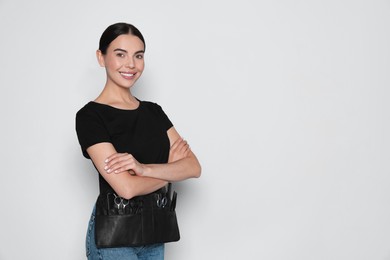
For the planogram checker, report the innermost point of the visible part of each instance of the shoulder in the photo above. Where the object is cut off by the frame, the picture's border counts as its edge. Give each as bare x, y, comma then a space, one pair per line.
155, 110
87, 108
151, 106
88, 112
91, 108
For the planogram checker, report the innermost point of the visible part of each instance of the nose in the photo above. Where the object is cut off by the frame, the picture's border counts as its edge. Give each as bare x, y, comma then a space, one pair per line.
130, 63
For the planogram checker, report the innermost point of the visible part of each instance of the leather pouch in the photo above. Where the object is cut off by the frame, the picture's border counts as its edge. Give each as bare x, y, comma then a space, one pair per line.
139, 221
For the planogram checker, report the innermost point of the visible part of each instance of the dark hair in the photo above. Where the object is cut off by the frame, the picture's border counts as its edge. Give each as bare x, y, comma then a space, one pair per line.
114, 31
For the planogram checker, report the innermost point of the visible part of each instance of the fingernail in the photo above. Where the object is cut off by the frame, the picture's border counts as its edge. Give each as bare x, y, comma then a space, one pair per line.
108, 170
106, 160
106, 167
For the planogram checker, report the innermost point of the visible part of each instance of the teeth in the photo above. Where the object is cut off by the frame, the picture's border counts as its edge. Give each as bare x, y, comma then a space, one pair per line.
127, 74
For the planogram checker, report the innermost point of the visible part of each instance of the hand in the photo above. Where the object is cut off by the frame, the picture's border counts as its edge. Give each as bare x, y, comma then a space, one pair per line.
123, 162
179, 150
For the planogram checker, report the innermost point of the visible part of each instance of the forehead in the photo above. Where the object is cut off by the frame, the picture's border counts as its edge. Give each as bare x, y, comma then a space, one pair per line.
127, 42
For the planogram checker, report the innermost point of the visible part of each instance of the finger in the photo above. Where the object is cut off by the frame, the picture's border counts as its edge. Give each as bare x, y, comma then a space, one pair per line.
181, 145
136, 169
117, 159
132, 173
176, 143
130, 166
114, 156
120, 164
187, 152
124, 168
120, 167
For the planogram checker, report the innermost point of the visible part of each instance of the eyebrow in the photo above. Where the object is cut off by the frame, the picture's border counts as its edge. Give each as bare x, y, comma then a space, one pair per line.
137, 52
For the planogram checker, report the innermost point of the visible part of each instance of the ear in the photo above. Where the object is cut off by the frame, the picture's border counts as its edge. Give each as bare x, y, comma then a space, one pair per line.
100, 58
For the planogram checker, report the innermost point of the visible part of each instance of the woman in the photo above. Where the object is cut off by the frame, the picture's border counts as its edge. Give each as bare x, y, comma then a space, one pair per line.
137, 152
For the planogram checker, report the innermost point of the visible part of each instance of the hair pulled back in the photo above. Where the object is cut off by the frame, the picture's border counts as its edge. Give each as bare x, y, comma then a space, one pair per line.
114, 30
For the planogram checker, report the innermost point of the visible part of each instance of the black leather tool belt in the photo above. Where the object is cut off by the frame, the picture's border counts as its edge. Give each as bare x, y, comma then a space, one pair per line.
142, 220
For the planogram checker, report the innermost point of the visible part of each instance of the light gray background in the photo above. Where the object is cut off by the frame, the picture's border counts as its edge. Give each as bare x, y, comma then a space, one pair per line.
286, 104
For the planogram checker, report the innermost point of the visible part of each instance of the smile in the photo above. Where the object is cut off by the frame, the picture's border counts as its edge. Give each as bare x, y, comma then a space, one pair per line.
127, 74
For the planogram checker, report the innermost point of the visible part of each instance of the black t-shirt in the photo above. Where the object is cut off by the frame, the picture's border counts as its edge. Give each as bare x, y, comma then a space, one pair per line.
141, 132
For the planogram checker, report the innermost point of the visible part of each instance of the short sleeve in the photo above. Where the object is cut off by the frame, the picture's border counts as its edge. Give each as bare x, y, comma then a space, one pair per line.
90, 129
165, 121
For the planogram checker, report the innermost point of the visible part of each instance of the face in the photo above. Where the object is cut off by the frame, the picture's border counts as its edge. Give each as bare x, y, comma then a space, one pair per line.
124, 60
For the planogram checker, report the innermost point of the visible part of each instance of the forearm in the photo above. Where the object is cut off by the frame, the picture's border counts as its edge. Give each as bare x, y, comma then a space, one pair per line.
137, 186
183, 169
124, 184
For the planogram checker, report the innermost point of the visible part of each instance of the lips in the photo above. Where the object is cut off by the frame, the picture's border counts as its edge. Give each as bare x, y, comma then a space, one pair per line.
127, 75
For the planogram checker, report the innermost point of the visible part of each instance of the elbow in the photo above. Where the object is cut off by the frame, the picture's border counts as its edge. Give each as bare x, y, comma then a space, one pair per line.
127, 192
197, 171
126, 195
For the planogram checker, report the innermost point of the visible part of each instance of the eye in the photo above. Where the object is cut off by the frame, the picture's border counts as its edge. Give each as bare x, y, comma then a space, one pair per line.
120, 55
139, 56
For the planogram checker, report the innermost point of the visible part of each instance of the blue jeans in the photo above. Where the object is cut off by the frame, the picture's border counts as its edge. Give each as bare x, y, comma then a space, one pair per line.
149, 252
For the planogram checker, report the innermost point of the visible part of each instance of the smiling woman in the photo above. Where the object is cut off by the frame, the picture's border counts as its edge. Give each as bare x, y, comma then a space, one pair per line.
137, 153
124, 63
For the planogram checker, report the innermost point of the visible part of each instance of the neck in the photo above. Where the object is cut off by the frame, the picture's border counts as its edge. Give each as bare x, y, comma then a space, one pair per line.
117, 97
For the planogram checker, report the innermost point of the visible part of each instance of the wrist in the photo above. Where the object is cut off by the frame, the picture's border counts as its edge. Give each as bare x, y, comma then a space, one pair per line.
147, 170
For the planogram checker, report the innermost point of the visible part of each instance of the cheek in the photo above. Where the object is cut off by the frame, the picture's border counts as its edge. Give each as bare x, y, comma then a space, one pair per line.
112, 64
141, 65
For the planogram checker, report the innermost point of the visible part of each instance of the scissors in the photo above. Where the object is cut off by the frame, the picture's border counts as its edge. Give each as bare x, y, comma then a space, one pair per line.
120, 202
161, 202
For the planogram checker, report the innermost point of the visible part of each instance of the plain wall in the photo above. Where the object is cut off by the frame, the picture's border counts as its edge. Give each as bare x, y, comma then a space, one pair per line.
286, 104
